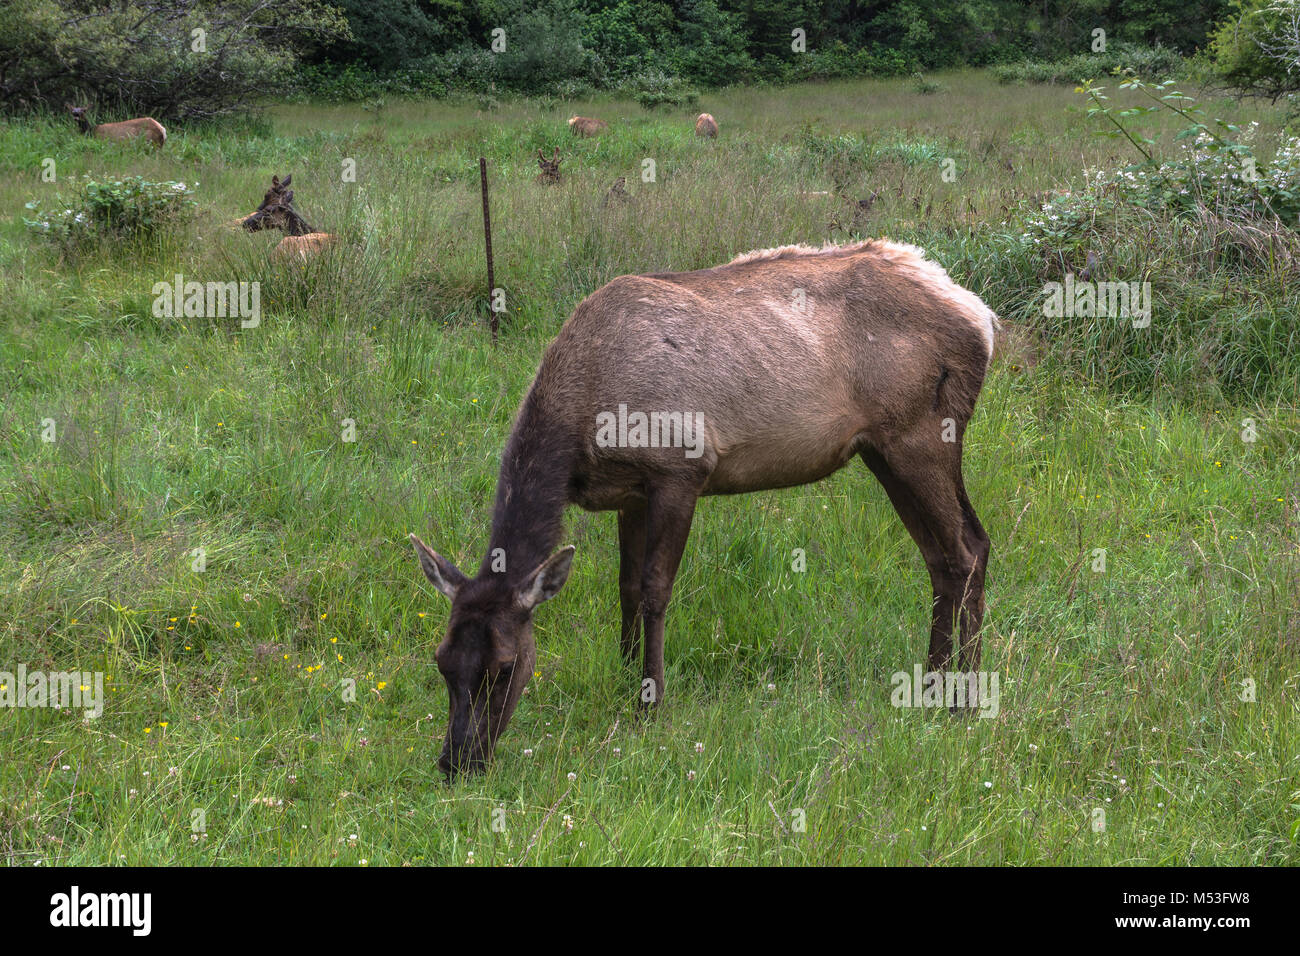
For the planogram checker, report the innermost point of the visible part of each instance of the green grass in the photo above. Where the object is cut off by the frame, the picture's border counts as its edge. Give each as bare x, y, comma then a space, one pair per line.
1120, 689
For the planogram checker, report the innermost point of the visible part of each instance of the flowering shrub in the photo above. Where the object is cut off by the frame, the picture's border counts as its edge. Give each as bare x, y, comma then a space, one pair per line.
112, 208
1216, 170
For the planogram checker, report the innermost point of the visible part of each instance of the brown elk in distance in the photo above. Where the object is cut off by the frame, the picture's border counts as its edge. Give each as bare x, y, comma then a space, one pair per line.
706, 126
550, 167
144, 126
859, 209
618, 193
277, 212
771, 371
586, 126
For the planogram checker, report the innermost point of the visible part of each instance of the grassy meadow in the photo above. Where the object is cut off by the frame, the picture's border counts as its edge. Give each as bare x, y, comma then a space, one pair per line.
226, 738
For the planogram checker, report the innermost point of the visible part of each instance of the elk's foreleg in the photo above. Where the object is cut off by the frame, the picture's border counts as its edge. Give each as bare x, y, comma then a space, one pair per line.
631, 561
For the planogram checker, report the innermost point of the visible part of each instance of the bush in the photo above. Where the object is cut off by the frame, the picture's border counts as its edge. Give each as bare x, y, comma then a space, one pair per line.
926, 87
1256, 49
628, 38
654, 89
143, 56
1214, 233
1216, 172
387, 36
353, 84
1154, 62
131, 208
711, 46
543, 46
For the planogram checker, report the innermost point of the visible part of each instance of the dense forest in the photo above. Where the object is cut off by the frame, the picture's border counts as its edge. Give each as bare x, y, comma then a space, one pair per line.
195, 58
712, 42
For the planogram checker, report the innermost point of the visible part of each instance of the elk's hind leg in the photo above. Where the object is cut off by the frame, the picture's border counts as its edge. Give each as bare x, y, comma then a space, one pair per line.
922, 477
976, 540
669, 511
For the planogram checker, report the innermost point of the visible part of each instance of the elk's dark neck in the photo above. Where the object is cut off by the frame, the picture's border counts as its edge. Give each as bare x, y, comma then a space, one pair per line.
83, 124
296, 225
532, 491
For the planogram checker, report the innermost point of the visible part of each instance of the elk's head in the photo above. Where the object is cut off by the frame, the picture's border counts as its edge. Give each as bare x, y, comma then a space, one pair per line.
276, 210
79, 116
487, 654
550, 167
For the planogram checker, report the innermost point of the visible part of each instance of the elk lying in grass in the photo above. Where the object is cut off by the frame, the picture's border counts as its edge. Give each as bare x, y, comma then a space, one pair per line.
618, 193
277, 212
550, 167
144, 126
586, 126
859, 210
770, 371
706, 125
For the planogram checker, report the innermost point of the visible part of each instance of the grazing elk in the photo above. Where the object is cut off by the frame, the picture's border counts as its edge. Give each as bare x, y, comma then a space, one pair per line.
770, 371
277, 212
144, 126
550, 167
586, 126
706, 125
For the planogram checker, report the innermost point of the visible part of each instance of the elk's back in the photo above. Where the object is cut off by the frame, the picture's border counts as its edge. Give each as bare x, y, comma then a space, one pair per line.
793, 357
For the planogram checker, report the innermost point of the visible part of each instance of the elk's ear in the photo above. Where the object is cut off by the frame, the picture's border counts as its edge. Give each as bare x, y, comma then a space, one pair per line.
544, 583
444, 575
284, 183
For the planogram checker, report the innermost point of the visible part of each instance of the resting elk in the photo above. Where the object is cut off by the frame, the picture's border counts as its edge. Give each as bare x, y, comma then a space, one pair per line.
277, 212
706, 126
618, 193
550, 168
144, 126
770, 371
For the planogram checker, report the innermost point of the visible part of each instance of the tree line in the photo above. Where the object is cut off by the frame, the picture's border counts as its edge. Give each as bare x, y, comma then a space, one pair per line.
196, 58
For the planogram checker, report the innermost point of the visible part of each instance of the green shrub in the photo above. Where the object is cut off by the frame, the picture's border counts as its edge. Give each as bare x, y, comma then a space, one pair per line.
387, 36
1154, 62
1254, 49
118, 209
710, 48
543, 46
654, 88
1214, 232
926, 87
353, 84
169, 58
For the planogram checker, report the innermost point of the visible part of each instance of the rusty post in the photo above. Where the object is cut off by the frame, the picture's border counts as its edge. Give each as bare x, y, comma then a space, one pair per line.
487, 242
